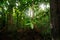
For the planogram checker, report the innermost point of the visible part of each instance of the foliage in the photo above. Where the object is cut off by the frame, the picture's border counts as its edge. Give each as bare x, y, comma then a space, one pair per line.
18, 10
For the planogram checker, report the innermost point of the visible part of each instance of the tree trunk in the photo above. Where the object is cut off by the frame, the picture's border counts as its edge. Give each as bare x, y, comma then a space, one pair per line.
9, 17
55, 14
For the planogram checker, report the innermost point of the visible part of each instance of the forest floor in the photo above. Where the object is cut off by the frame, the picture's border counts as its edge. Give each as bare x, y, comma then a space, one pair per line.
28, 35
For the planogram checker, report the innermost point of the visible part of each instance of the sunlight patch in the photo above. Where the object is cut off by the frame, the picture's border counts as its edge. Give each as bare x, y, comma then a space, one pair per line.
5, 8
29, 12
0, 16
42, 6
48, 5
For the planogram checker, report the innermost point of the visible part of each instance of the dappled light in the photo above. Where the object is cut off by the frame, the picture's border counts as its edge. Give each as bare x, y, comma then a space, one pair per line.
48, 5
0, 16
5, 8
42, 6
30, 18
7, 2
29, 12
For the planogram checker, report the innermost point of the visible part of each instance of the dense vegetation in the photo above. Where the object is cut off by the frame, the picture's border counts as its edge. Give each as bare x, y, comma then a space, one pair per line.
23, 14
